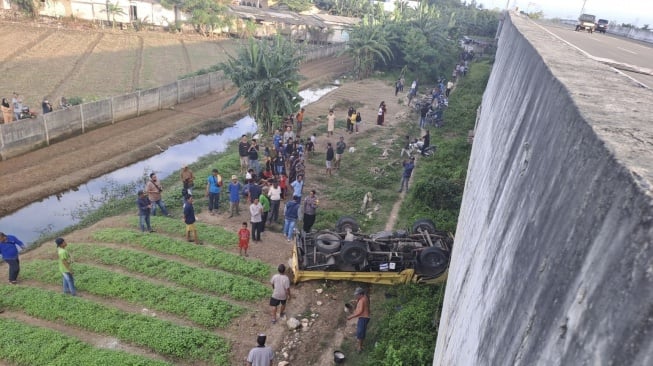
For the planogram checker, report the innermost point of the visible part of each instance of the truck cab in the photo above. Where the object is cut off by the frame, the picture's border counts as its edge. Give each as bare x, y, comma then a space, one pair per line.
586, 22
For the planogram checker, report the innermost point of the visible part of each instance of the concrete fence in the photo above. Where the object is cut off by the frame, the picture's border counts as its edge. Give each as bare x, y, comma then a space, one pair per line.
26, 135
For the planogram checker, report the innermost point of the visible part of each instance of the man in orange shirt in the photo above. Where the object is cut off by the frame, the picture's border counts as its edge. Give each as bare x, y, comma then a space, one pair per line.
363, 313
300, 120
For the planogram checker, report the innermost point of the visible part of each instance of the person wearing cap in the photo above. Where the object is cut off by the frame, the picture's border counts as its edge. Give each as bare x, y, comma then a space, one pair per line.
261, 355
187, 177
144, 207
291, 216
409, 165
65, 267
189, 220
9, 245
280, 292
362, 312
234, 196
213, 187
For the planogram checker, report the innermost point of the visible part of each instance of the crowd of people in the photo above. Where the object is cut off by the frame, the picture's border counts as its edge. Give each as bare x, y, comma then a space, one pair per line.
15, 110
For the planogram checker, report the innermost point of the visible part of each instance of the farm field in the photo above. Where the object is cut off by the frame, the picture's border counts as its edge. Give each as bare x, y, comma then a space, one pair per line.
40, 62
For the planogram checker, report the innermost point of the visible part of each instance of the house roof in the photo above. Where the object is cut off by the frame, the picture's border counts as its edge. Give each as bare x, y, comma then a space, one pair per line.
335, 19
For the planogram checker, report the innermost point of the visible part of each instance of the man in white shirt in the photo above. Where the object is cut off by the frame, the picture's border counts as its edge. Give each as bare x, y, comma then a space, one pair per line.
280, 292
261, 355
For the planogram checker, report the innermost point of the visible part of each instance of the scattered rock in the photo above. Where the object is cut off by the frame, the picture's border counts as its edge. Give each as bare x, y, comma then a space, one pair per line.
283, 363
293, 323
319, 303
319, 290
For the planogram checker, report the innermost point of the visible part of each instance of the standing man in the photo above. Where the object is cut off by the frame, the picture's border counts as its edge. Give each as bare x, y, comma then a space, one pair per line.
46, 106
298, 186
275, 202
449, 88
409, 165
154, 189
300, 120
265, 202
291, 216
422, 115
310, 206
362, 312
65, 267
234, 196
252, 154
427, 141
260, 355
288, 134
17, 103
256, 217
243, 148
331, 123
280, 292
340, 149
187, 178
9, 249
144, 208
213, 186
189, 220
329, 159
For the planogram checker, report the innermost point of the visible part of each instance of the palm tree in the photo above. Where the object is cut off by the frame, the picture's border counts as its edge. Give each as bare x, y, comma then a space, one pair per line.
112, 11
267, 76
367, 45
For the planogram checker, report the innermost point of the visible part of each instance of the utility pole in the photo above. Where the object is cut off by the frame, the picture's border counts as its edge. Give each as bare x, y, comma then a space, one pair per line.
582, 10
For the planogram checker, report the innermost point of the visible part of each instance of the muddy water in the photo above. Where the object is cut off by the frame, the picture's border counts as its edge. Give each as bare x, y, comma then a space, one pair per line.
55, 213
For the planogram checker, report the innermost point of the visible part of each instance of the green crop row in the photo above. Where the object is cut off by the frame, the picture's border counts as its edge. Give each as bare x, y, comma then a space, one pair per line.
158, 335
203, 309
203, 254
223, 283
24, 344
209, 234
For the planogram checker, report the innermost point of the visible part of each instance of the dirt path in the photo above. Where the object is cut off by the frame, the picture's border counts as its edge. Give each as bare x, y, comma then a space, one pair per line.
69, 163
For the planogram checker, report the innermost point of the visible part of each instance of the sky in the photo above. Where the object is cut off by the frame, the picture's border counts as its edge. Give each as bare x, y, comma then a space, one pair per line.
636, 12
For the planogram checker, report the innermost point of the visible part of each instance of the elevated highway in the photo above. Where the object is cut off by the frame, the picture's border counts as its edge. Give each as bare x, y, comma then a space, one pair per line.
553, 258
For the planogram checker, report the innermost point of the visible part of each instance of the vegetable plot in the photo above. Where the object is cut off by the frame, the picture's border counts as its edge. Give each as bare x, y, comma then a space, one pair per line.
210, 234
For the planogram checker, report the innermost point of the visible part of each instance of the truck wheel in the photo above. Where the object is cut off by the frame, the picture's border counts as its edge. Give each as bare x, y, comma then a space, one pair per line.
433, 261
354, 253
424, 225
347, 223
327, 243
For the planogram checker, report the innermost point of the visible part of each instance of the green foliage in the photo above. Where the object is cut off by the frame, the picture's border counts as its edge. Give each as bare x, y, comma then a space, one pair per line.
75, 100
406, 334
438, 183
206, 15
297, 5
18, 342
202, 254
158, 335
202, 309
368, 45
211, 234
236, 287
267, 76
30, 7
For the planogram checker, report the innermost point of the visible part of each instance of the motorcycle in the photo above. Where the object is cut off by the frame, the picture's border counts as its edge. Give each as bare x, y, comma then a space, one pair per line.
25, 113
416, 147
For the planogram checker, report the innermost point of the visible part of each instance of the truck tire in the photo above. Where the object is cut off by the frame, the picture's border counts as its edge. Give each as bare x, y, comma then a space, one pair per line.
424, 225
433, 261
354, 252
347, 223
327, 243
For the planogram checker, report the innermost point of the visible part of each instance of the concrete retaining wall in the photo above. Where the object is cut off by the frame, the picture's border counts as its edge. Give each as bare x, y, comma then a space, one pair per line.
26, 135
638, 34
553, 258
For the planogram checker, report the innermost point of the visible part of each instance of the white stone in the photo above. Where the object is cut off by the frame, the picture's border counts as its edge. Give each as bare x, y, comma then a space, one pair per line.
319, 303
293, 323
319, 290
283, 363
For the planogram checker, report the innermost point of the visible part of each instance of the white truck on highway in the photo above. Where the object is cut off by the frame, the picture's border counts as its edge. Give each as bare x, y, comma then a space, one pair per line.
586, 22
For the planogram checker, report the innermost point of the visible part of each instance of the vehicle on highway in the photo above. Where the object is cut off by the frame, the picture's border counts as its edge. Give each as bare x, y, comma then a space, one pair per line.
586, 22
387, 257
602, 25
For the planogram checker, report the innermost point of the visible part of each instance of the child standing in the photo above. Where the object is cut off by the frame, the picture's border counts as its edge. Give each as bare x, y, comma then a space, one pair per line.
189, 220
243, 239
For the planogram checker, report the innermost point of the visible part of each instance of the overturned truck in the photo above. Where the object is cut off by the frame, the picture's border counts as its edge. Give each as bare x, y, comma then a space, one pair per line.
420, 254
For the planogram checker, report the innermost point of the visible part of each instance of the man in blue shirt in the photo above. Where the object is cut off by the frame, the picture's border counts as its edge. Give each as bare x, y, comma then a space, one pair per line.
297, 186
9, 249
291, 215
409, 165
214, 182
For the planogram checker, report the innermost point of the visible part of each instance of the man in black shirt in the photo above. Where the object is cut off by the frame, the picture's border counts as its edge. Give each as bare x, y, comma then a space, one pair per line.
243, 149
